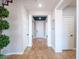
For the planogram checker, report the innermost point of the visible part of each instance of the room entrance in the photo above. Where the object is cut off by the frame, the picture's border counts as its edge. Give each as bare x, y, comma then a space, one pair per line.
39, 26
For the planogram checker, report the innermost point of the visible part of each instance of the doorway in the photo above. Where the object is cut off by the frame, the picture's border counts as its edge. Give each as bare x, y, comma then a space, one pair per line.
40, 29
39, 26
69, 32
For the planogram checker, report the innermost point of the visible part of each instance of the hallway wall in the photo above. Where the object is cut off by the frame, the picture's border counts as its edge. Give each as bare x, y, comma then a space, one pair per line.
18, 29
0, 2
77, 32
58, 30
53, 30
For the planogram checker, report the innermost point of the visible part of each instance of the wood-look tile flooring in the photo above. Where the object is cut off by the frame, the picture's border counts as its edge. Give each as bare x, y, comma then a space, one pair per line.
40, 50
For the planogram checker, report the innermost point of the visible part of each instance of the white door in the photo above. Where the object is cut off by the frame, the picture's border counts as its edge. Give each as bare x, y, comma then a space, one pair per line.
40, 29
69, 40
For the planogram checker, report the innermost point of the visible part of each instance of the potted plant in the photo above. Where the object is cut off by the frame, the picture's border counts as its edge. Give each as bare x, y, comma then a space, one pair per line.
3, 12
4, 40
4, 25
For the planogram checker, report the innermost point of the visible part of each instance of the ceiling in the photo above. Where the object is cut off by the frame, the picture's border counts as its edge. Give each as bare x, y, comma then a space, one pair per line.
73, 3
47, 5
67, 3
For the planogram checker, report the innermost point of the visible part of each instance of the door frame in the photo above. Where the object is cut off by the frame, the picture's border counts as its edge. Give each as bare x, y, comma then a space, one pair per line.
48, 29
44, 29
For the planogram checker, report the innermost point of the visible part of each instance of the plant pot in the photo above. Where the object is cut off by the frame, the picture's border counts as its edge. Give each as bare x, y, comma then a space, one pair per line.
2, 56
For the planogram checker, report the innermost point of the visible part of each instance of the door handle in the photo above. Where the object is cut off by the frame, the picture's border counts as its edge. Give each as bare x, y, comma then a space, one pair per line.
27, 34
71, 35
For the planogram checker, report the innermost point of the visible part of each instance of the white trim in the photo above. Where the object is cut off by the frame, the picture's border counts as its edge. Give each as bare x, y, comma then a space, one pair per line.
13, 53
74, 48
17, 53
49, 31
49, 45
59, 4
58, 51
30, 30
53, 48
70, 49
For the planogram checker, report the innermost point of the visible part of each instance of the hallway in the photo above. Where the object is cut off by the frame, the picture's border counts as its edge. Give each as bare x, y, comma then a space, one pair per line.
40, 50
33, 20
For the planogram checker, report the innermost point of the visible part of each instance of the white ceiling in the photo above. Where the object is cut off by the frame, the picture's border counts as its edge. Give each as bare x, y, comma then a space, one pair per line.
73, 3
47, 5
67, 3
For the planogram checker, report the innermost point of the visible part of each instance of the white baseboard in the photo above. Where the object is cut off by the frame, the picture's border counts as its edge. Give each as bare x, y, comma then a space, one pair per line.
58, 51
74, 48
69, 49
14, 53
49, 45
29, 45
53, 49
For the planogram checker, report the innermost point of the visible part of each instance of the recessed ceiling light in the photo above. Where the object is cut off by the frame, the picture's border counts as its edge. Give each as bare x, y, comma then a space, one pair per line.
39, 18
40, 5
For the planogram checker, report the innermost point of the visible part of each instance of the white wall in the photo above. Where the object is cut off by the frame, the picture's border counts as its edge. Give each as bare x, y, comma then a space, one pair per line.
53, 30
30, 30
69, 28
0, 2
49, 30
77, 23
33, 28
69, 11
18, 29
58, 30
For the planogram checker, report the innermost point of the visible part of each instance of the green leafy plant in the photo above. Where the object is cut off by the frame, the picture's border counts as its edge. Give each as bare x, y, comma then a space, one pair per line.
3, 12
4, 41
4, 24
